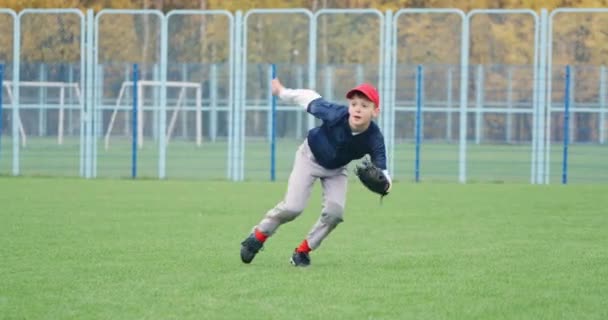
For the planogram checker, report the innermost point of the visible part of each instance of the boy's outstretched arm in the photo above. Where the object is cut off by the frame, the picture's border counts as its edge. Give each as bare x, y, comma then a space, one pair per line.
310, 100
301, 97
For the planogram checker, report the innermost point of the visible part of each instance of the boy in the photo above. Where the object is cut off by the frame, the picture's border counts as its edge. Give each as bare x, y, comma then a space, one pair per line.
347, 133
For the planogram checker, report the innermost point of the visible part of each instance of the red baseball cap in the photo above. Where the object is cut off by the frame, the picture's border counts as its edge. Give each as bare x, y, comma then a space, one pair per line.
367, 90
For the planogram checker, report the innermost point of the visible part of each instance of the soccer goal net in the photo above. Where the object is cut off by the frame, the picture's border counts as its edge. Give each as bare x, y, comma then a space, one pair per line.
63, 91
181, 97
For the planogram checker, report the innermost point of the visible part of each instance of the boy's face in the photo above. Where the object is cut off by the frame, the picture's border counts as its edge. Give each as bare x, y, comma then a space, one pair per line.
361, 112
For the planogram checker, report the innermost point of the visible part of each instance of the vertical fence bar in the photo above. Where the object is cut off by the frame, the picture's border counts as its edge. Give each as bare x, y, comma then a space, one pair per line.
127, 76
198, 114
390, 64
42, 92
269, 102
84, 60
534, 134
213, 105
449, 103
235, 82
71, 97
464, 85
155, 105
231, 95
536, 114
16, 120
99, 99
479, 104
184, 114
1, 91
98, 112
419, 84
162, 139
549, 99
61, 115
242, 104
541, 92
566, 126
140, 114
299, 84
382, 62
86, 131
509, 124
135, 122
602, 115
572, 127
312, 66
273, 135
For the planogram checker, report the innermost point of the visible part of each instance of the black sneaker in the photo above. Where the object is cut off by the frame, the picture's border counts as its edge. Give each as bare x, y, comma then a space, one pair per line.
249, 248
300, 259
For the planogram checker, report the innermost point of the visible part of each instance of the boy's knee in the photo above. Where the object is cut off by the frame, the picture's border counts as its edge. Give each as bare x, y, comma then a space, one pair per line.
332, 214
285, 213
296, 208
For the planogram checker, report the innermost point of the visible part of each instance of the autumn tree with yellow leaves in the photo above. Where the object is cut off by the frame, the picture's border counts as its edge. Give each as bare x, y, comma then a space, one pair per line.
504, 41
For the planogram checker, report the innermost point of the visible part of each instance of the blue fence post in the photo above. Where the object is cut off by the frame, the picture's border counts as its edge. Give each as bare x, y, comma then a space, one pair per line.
273, 129
419, 84
1, 90
566, 126
135, 124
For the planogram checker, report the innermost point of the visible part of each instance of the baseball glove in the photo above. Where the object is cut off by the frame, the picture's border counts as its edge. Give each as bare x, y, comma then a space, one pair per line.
372, 177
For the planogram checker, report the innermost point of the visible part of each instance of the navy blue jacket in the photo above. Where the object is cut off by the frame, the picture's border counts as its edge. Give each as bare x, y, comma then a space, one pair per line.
333, 143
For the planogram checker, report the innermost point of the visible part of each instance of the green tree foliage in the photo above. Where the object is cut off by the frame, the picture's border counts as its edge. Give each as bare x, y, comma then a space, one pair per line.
6, 37
425, 38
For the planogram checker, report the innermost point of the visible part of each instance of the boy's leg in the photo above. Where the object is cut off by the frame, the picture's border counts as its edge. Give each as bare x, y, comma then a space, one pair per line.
334, 200
299, 187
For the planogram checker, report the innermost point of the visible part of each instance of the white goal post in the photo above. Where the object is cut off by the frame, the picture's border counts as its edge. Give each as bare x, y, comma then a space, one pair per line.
179, 105
62, 86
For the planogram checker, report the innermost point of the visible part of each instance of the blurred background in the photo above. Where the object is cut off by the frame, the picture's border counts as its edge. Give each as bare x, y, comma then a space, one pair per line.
490, 91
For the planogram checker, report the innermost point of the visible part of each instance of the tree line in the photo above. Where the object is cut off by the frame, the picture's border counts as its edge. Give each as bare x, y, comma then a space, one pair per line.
426, 38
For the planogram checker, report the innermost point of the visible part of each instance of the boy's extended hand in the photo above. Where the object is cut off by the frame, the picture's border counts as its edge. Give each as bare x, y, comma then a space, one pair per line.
276, 86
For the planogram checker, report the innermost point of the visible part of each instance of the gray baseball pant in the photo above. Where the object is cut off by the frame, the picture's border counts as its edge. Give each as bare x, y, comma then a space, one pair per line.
305, 172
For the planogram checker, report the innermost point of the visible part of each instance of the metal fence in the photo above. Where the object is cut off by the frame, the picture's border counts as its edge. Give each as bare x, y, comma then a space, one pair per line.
203, 105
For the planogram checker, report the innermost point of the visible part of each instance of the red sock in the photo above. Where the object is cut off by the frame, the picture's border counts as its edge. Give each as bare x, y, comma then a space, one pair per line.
260, 236
304, 247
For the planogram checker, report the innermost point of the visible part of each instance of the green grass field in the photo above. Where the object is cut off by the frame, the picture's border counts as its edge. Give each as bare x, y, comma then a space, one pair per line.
185, 160
122, 249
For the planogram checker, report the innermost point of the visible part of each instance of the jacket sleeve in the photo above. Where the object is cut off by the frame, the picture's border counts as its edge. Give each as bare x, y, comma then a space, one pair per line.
325, 110
378, 155
314, 104
301, 97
